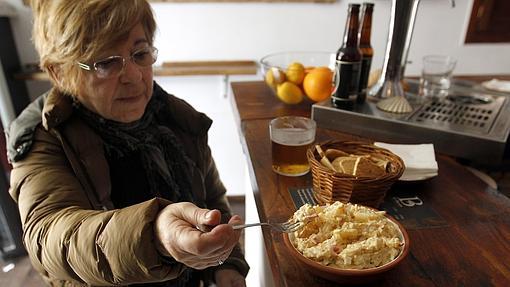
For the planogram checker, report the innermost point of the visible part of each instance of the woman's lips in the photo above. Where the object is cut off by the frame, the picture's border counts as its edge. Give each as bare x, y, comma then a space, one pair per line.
130, 98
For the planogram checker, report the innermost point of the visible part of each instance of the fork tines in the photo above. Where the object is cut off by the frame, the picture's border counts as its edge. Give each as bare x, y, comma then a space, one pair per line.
291, 226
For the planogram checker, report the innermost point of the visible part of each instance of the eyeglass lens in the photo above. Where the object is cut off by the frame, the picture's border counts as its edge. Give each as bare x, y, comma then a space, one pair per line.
112, 66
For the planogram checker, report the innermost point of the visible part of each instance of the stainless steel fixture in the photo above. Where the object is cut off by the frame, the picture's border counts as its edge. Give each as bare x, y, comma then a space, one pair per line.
470, 123
403, 15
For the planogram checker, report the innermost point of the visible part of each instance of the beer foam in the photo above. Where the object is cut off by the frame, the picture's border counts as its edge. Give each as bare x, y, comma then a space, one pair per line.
293, 136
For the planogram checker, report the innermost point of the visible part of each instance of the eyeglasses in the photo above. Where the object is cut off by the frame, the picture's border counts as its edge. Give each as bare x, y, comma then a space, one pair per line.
114, 65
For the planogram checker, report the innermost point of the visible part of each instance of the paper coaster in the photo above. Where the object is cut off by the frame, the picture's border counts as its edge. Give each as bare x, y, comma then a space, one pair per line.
408, 209
412, 212
301, 196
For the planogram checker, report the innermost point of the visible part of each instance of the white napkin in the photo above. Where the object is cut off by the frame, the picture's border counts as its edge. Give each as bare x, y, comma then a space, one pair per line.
497, 85
420, 159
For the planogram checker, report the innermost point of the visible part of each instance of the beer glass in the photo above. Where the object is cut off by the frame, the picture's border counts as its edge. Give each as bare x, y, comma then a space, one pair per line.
436, 76
291, 136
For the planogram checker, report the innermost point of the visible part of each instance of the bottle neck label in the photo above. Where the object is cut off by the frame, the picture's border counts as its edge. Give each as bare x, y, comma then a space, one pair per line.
340, 62
346, 78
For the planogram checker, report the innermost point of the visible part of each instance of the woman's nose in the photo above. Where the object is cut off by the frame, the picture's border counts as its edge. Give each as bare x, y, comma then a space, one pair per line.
131, 72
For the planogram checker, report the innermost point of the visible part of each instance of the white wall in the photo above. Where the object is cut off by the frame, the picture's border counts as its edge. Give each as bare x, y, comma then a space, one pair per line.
252, 30
197, 31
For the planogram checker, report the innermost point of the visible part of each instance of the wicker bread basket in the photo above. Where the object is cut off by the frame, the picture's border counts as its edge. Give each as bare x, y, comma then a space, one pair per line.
330, 186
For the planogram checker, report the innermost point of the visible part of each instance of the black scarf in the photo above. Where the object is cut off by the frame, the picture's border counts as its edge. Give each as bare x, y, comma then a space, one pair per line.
167, 167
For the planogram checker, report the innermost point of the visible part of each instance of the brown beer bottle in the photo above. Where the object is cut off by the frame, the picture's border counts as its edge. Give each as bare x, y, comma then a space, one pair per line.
366, 50
348, 63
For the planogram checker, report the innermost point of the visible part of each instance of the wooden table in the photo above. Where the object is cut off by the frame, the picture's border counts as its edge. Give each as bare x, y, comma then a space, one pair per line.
473, 249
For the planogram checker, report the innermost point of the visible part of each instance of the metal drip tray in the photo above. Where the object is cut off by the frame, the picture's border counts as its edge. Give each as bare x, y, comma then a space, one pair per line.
468, 123
474, 113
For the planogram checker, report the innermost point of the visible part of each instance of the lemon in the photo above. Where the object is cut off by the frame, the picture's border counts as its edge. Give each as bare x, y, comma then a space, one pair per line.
295, 73
274, 77
289, 93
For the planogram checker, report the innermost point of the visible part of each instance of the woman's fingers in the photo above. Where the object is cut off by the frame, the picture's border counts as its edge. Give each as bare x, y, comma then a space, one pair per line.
219, 239
175, 227
235, 220
230, 236
194, 215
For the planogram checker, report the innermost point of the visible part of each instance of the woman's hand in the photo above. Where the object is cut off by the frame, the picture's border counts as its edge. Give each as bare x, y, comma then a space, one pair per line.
229, 278
177, 236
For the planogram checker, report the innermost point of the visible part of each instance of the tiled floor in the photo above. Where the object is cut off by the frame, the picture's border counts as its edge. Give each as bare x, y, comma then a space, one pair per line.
23, 275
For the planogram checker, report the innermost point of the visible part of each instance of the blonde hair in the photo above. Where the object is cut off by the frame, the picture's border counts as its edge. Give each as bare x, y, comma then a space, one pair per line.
68, 31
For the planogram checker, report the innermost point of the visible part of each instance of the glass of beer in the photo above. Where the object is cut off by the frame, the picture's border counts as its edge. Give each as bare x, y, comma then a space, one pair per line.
291, 136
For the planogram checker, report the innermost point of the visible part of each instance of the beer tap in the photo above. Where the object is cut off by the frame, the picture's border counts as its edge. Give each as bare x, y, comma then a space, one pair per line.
403, 15
402, 18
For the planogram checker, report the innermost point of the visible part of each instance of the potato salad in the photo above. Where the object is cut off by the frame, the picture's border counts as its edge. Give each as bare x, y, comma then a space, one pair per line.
346, 236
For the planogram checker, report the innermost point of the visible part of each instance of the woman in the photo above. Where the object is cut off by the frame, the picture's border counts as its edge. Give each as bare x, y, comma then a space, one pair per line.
112, 174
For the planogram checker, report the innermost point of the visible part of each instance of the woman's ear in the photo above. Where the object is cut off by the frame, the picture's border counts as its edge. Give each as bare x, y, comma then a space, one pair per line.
54, 73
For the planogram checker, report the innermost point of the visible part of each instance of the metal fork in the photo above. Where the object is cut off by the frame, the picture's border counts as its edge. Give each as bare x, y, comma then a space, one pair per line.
288, 226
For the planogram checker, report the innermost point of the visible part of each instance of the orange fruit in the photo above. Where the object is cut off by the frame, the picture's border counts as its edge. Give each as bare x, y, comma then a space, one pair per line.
318, 84
308, 69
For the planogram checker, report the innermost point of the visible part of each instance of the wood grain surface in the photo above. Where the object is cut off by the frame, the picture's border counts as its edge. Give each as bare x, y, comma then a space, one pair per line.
472, 250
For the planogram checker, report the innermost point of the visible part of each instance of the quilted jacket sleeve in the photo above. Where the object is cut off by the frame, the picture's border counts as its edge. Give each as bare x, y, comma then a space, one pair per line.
67, 240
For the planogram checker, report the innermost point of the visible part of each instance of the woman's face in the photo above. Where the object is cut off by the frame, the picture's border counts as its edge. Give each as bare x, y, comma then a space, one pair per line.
122, 98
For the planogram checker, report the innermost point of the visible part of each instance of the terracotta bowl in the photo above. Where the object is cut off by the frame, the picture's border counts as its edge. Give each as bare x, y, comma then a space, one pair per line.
350, 276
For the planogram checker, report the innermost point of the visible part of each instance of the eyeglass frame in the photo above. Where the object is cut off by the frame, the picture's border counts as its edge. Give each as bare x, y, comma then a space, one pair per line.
152, 50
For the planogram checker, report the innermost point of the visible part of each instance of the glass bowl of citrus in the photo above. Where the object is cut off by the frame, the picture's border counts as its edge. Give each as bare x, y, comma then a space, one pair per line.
294, 76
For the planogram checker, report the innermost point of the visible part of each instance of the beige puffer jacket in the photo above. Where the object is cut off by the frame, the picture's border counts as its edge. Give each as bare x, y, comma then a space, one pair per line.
60, 180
